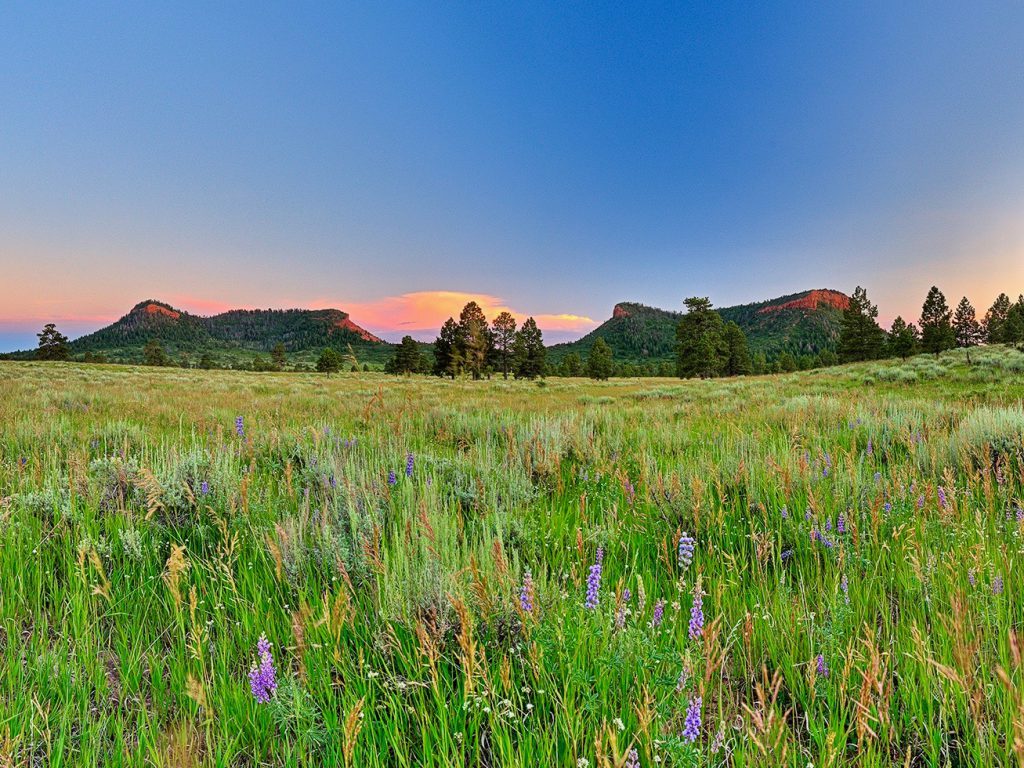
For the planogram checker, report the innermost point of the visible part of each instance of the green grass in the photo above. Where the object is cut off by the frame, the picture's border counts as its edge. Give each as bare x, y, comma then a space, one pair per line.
131, 603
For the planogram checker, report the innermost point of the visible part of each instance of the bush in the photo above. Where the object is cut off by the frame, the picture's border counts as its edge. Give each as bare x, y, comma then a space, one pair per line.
999, 430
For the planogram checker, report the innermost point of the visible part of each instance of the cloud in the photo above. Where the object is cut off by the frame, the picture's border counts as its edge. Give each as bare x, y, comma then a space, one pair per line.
422, 313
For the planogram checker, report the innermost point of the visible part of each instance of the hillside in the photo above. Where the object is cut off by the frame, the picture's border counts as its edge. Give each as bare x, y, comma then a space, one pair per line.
799, 323
236, 335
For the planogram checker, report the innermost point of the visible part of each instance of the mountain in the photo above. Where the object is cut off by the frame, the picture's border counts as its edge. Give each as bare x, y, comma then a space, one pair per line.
238, 334
800, 323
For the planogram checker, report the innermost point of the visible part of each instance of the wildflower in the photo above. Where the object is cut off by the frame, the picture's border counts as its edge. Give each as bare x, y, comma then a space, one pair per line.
239, 427
204, 488
697, 613
409, 462
594, 581
262, 676
392, 480
787, 554
997, 585
633, 759
971, 577
887, 507
526, 593
822, 666
871, 448
659, 614
841, 524
687, 545
828, 524
785, 512
691, 727
844, 585
878, 476
942, 497
1020, 513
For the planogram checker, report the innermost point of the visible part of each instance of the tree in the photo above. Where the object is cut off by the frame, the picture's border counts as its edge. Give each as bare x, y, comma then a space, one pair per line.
902, 340
474, 338
1013, 330
966, 328
330, 361
153, 354
599, 361
572, 365
860, 336
936, 326
277, 355
700, 341
528, 351
206, 362
503, 331
447, 358
53, 345
737, 355
995, 319
786, 362
407, 359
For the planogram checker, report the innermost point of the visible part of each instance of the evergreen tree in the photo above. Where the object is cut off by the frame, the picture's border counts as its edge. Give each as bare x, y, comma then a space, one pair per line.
407, 359
447, 358
330, 361
572, 365
528, 351
503, 331
474, 339
936, 326
599, 362
1013, 330
737, 356
53, 345
206, 362
903, 339
700, 341
786, 362
966, 328
995, 319
860, 336
277, 355
153, 354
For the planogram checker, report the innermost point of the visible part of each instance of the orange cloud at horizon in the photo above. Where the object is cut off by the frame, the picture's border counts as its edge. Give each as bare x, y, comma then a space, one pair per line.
425, 311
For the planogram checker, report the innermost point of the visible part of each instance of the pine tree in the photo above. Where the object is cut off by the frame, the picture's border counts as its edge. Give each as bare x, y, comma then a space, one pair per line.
447, 358
902, 340
529, 352
503, 331
277, 355
599, 362
1013, 330
330, 361
474, 339
737, 356
966, 328
153, 354
936, 326
700, 341
572, 365
860, 337
995, 319
407, 358
53, 345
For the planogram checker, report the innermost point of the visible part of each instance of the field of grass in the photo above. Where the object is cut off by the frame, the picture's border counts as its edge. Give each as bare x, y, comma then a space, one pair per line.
496, 573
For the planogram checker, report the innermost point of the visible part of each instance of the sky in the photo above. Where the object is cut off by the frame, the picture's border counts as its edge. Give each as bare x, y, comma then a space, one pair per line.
394, 160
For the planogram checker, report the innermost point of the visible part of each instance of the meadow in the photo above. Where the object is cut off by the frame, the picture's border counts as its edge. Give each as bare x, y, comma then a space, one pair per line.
252, 569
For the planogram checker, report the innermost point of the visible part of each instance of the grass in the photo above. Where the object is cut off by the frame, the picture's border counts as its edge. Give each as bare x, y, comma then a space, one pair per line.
145, 547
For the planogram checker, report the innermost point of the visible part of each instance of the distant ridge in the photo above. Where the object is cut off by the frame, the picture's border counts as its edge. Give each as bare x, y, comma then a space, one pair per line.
804, 323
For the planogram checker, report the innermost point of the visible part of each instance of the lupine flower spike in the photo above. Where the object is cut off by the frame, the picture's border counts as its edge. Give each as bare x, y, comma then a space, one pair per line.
594, 581
262, 675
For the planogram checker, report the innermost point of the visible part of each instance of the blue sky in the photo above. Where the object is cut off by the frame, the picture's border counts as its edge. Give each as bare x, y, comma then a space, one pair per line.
556, 158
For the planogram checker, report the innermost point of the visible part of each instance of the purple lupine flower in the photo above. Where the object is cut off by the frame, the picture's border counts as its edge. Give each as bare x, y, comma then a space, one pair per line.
687, 546
23, 460
239, 426
887, 507
787, 554
697, 613
204, 488
841, 524
807, 515
997, 585
822, 666
942, 497
871, 448
785, 512
633, 759
262, 675
409, 464
971, 577
1020, 513
659, 614
392, 480
920, 501
844, 585
594, 581
526, 593
828, 524
878, 476
691, 728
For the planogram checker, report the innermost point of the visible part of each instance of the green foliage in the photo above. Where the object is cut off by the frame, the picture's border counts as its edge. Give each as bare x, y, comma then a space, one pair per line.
571, 365
528, 351
936, 326
408, 358
330, 361
474, 339
701, 347
153, 354
903, 339
53, 345
860, 338
599, 362
447, 352
503, 332
737, 355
